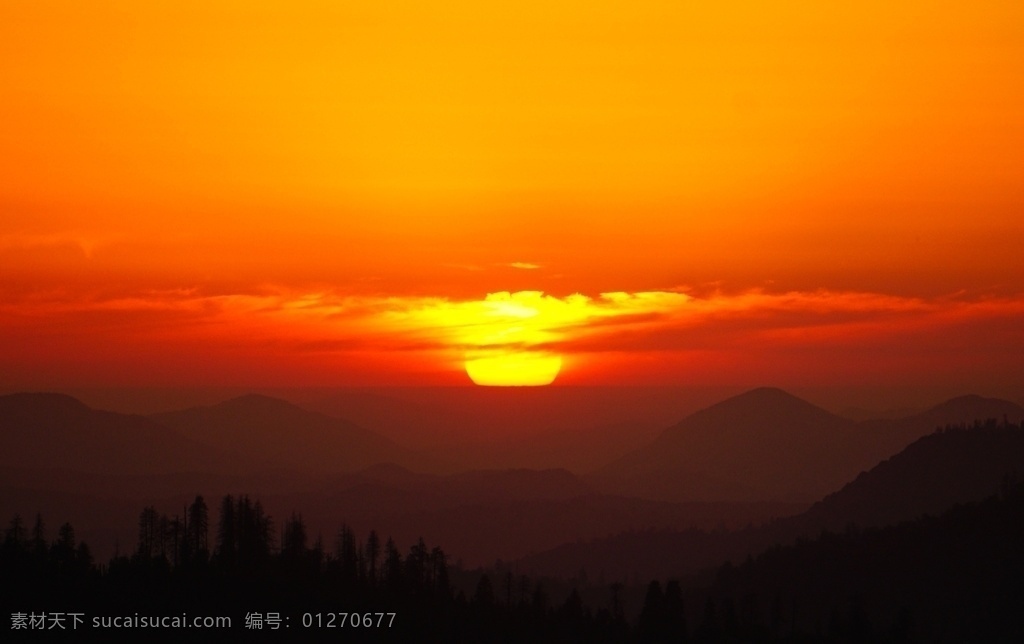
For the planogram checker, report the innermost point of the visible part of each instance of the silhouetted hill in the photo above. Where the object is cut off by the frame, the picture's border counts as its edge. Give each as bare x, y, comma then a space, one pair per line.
952, 578
54, 431
763, 444
767, 444
573, 427
270, 432
966, 409
928, 477
956, 411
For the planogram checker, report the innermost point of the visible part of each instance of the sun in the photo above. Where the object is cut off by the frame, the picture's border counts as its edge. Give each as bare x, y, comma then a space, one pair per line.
514, 369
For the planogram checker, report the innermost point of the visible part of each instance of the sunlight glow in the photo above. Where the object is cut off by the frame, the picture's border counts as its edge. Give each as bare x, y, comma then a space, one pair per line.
524, 337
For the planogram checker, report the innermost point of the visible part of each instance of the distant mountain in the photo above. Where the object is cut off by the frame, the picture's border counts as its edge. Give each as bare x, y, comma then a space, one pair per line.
930, 476
766, 444
54, 431
573, 427
963, 410
271, 432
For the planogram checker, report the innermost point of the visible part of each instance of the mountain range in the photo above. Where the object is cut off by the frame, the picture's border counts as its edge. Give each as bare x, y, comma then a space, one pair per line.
47, 431
272, 433
935, 473
760, 455
766, 444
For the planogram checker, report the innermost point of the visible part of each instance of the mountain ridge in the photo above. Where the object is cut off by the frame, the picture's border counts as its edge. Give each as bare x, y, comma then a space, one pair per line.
46, 430
271, 432
937, 472
767, 444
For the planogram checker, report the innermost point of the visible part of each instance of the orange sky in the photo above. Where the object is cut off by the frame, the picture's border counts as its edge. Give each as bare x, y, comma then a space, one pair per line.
326, 193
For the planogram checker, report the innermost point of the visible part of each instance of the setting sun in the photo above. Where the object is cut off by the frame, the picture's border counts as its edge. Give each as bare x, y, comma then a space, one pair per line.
518, 369
355, 193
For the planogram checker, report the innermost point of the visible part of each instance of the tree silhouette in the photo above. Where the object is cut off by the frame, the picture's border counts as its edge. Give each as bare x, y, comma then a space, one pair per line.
484, 593
15, 536
372, 555
150, 535
254, 531
651, 623
39, 536
293, 542
347, 553
64, 547
227, 534
673, 615
393, 566
416, 566
198, 529
439, 580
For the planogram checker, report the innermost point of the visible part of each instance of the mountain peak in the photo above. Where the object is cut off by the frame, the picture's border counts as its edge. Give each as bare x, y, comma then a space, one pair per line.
766, 394
764, 444
763, 403
268, 430
768, 391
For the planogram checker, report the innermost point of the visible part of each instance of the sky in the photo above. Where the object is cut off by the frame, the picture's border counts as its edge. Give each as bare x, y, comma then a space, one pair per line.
643, 192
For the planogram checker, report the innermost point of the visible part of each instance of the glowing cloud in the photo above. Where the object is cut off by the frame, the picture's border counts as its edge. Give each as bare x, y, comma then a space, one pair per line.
659, 336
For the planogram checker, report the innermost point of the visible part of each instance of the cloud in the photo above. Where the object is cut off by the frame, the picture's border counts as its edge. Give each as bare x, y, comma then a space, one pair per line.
819, 325
528, 266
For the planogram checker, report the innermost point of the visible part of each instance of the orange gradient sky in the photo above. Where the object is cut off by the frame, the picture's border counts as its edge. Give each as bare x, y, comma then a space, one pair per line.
364, 192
